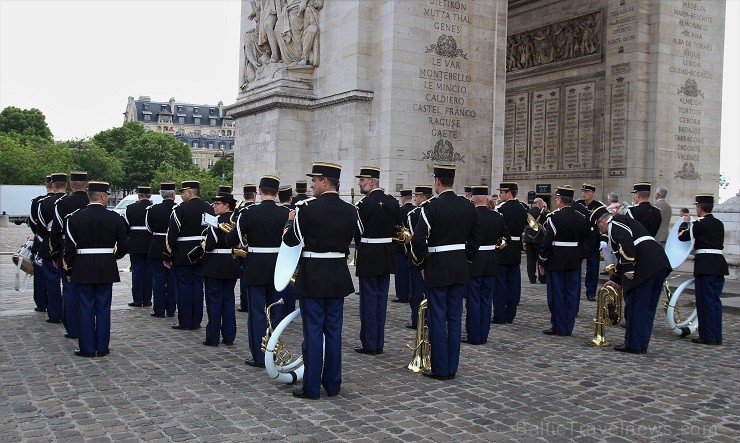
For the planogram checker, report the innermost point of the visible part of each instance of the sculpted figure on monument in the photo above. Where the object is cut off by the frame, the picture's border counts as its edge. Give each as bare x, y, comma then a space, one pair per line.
268, 19
310, 55
256, 56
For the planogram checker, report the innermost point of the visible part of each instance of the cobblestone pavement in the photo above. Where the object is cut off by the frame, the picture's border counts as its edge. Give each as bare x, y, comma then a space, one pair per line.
159, 384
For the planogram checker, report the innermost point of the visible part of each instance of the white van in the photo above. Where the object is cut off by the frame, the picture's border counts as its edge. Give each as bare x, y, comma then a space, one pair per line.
133, 198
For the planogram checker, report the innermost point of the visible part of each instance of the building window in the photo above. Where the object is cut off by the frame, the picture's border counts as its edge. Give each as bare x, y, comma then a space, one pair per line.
179, 109
147, 117
195, 110
181, 120
196, 121
210, 145
221, 145
180, 131
210, 163
213, 122
195, 144
195, 161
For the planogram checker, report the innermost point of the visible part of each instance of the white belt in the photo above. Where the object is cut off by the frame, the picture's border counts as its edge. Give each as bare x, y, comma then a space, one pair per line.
642, 239
516, 238
220, 251
708, 251
487, 248
375, 240
191, 238
310, 254
257, 250
159, 233
138, 228
84, 251
445, 248
568, 244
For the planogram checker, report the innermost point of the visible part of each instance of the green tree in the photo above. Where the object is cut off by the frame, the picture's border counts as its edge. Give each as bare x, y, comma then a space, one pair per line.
24, 123
17, 162
115, 139
208, 183
145, 154
224, 165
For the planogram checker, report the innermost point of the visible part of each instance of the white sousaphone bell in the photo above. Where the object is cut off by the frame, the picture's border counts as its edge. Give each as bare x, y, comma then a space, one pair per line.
678, 251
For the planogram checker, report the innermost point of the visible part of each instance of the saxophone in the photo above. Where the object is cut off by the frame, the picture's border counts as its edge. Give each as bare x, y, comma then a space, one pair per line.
421, 362
608, 310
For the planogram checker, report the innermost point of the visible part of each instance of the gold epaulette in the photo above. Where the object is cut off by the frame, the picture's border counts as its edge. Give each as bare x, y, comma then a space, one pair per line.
305, 202
626, 257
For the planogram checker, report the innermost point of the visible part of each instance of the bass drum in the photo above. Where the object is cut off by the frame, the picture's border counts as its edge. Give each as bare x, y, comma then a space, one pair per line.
679, 326
284, 372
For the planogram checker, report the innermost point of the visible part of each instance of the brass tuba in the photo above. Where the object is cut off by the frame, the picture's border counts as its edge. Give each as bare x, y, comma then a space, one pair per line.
608, 310
676, 322
280, 364
421, 362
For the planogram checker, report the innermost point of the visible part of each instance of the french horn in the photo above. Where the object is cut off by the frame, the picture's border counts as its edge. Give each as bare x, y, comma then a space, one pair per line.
280, 364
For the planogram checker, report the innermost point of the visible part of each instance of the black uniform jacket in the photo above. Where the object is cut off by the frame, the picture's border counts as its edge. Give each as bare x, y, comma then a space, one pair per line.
515, 217
564, 225
46, 220
403, 213
379, 214
263, 225
34, 223
63, 207
647, 214
446, 220
492, 228
185, 221
221, 265
323, 224
593, 240
299, 197
139, 236
644, 259
709, 233
94, 227
157, 219
412, 219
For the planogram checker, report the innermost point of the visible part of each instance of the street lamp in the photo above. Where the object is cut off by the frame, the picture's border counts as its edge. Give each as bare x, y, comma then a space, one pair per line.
223, 155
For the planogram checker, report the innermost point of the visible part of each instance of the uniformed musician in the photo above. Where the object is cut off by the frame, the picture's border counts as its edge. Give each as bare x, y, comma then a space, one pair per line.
643, 211
52, 276
376, 260
163, 279
422, 194
224, 189
260, 228
468, 192
402, 275
39, 283
95, 239
642, 267
326, 225
710, 268
509, 278
138, 243
560, 259
301, 188
285, 195
249, 192
483, 270
445, 240
591, 245
220, 272
184, 232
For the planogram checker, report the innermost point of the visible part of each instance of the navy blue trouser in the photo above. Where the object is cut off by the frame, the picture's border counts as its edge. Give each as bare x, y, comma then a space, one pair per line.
261, 296
322, 344
95, 301
640, 304
445, 327
563, 293
220, 305
243, 287
163, 288
707, 289
189, 295
507, 294
373, 310
39, 287
592, 274
70, 307
478, 305
401, 277
53, 290
141, 278
417, 293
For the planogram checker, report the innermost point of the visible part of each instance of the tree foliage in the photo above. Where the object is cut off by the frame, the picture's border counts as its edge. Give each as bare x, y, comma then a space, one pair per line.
224, 165
115, 139
208, 183
144, 155
24, 123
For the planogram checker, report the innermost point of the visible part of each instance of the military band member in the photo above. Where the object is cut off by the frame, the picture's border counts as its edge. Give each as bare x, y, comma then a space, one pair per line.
260, 228
481, 287
226, 189
326, 225
560, 259
376, 261
52, 276
468, 192
642, 267
643, 211
402, 260
95, 239
138, 243
220, 272
163, 279
285, 195
301, 187
422, 194
249, 191
710, 268
445, 240
509, 279
39, 283
185, 232
593, 240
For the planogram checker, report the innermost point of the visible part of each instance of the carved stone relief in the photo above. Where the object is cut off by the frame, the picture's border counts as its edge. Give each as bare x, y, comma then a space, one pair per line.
443, 152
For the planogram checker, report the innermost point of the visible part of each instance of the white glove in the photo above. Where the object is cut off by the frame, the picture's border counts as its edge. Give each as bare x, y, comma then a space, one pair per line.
602, 246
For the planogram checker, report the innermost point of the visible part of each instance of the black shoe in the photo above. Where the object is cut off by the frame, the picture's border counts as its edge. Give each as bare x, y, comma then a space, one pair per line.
624, 348
254, 363
452, 376
145, 304
195, 328
210, 344
157, 315
532, 282
48, 320
228, 343
361, 350
102, 353
465, 340
435, 376
591, 298
398, 300
494, 322
300, 393
84, 354
549, 332
684, 332
39, 309
176, 326
134, 304
409, 326
70, 336
701, 341
170, 315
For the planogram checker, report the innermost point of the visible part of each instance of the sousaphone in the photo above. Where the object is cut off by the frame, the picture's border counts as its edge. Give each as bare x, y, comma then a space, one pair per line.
678, 251
286, 265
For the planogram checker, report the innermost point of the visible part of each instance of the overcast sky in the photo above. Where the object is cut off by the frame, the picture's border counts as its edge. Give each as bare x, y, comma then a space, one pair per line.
78, 61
